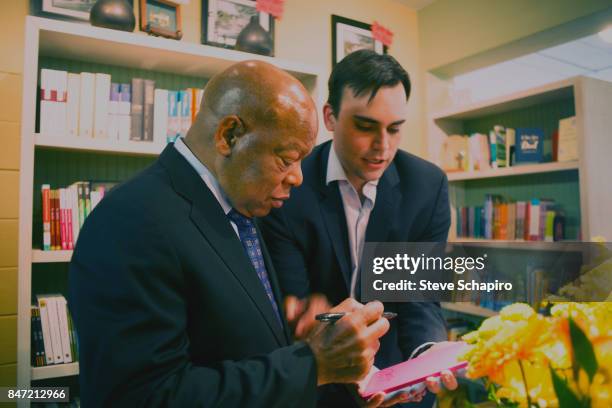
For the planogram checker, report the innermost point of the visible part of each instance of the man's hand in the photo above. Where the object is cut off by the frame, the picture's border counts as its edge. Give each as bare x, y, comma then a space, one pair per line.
301, 313
379, 399
447, 378
344, 351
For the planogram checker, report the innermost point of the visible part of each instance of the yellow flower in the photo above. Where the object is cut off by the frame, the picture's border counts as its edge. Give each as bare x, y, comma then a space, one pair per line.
538, 381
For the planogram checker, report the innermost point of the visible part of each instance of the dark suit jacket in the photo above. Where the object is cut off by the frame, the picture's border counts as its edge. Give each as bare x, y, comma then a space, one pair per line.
308, 240
168, 307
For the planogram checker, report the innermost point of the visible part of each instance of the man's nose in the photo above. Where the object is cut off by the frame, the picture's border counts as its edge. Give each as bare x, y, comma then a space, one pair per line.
294, 177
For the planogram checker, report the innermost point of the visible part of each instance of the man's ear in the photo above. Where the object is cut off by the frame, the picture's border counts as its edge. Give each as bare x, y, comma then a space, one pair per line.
229, 129
329, 118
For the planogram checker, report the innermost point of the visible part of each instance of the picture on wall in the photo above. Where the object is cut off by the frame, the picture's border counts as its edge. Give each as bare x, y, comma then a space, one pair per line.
223, 20
64, 9
161, 17
351, 35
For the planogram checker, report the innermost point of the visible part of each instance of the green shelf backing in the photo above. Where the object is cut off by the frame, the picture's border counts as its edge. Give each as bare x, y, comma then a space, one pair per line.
561, 186
60, 168
49, 278
163, 80
545, 116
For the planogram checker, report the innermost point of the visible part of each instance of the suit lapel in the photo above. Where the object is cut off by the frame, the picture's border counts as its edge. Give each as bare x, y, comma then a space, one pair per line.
217, 230
334, 219
385, 208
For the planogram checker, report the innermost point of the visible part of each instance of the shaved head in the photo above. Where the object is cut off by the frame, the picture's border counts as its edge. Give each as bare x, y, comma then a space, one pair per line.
255, 123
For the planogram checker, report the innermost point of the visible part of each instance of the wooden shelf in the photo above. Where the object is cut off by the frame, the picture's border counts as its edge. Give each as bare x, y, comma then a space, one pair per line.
55, 371
513, 171
523, 99
61, 39
559, 246
93, 145
40, 256
468, 308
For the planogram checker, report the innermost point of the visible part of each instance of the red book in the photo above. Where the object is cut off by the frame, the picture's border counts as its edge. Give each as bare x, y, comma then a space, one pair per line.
58, 239
69, 228
52, 218
46, 216
63, 230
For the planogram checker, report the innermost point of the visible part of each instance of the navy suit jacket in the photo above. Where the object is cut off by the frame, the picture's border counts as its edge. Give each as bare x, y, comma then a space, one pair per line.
169, 309
308, 240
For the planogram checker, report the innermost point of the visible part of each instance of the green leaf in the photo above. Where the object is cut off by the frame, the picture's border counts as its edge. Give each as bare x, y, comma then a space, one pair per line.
583, 350
566, 397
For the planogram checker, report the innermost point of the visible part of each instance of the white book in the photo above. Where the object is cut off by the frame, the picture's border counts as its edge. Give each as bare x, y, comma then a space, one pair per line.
56, 339
160, 117
125, 127
72, 105
567, 149
46, 102
102, 97
62, 313
86, 104
59, 111
74, 205
94, 197
44, 321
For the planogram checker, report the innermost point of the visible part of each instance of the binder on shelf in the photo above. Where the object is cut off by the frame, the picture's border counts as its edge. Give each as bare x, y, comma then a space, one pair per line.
62, 313
149, 99
86, 104
72, 105
160, 116
137, 108
102, 98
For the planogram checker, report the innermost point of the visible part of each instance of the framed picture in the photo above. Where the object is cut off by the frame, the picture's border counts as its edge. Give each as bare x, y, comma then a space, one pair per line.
351, 35
222, 21
64, 9
161, 17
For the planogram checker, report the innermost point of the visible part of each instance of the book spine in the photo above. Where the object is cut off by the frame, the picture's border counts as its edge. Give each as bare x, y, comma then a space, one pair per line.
148, 106
86, 104
102, 98
160, 117
173, 118
125, 109
58, 356
72, 105
185, 114
81, 201
137, 108
47, 97
62, 314
44, 317
61, 104
63, 221
46, 214
113, 112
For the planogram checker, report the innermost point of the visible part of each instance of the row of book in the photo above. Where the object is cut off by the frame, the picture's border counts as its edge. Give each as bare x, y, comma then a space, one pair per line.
53, 335
506, 147
531, 220
64, 211
90, 105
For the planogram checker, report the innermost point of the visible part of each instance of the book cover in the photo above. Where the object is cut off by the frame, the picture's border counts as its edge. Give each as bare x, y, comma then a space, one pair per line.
567, 147
529, 145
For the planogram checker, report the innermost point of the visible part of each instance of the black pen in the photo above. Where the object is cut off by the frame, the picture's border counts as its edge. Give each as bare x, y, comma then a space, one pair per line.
334, 317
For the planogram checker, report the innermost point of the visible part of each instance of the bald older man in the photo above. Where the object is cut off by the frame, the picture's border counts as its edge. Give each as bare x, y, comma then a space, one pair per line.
173, 293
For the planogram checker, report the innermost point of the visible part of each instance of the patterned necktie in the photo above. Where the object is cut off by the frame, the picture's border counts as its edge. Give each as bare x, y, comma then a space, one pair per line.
250, 242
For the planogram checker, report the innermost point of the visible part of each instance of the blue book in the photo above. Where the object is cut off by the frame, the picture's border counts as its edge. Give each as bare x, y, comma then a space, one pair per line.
529, 145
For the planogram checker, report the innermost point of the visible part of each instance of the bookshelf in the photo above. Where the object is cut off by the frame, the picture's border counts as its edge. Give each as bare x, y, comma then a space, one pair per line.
579, 186
576, 185
60, 161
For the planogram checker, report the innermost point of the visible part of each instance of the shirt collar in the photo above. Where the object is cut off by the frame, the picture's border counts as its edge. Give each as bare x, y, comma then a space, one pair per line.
206, 174
335, 172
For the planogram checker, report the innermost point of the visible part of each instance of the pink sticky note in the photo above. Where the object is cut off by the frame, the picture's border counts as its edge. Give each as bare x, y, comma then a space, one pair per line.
417, 370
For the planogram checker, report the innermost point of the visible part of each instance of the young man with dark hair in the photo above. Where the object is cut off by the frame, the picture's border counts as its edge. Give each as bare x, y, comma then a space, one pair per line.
360, 187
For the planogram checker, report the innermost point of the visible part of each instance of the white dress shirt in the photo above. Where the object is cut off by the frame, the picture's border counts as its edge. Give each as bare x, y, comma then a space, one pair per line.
357, 213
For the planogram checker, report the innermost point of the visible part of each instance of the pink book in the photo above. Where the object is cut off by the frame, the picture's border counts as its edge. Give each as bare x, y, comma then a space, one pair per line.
417, 370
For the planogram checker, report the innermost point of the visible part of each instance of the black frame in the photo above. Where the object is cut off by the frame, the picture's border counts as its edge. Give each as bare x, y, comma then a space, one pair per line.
204, 26
36, 9
335, 20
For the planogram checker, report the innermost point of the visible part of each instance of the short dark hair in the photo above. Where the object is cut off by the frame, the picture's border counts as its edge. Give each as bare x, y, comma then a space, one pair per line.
365, 71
